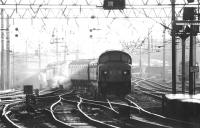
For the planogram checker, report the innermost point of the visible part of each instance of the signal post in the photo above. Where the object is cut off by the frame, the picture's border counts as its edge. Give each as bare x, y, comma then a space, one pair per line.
193, 68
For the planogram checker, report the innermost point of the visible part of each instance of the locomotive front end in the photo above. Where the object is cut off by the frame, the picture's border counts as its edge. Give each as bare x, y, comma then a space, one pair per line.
114, 76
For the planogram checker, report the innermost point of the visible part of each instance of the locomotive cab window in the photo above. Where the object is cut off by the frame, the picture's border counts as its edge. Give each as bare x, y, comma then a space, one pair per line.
126, 59
104, 59
115, 57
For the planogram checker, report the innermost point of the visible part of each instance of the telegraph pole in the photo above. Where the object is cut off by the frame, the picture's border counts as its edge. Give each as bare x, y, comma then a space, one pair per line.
55, 41
13, 68
164, 54
2, 49
183, 37
140, 60
39, 57
149, 49
191, 63
183, 65
8, 53
65, 51
173, 49
26, 52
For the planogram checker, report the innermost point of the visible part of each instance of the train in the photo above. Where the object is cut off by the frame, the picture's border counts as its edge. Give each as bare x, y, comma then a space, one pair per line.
110, 74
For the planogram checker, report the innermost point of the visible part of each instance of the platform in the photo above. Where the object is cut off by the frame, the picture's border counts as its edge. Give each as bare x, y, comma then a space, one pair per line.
182, 106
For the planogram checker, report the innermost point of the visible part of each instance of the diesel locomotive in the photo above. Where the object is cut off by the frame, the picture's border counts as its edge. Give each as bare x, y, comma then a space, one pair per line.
109, 74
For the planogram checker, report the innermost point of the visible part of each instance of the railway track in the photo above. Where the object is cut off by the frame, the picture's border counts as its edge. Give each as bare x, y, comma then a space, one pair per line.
151, 88
138, 117
10, 92
80, 112
19, 94
21, 115
152, 85
73, 114
166, 87
155, 86
64, 109
15, 94
66, 112
149, 118
154, 89
101, 115
148, 91
8, 97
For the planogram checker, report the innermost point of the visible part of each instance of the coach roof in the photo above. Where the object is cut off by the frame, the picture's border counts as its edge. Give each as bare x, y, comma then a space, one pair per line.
81, 61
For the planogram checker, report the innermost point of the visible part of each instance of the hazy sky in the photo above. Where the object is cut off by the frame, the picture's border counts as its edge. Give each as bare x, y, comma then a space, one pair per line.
106, 34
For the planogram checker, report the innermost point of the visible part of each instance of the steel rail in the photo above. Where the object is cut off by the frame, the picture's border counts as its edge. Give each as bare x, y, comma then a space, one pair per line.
54, 117
6, 112
160, 117
91, 119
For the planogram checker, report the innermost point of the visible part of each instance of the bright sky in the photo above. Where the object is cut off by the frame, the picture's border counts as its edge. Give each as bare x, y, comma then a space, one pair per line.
77, 33
109, 33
